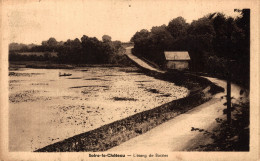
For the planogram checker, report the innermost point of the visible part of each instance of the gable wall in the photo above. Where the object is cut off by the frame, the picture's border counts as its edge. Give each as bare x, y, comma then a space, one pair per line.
180, 65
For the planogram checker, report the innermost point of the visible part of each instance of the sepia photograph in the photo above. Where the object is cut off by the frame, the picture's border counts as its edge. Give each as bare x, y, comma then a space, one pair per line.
129, 80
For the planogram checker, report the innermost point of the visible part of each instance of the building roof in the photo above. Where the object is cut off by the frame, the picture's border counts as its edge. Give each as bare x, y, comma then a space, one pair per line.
177, 55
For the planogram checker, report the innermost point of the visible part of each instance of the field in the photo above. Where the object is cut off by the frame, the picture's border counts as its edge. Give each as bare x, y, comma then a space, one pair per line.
46, 108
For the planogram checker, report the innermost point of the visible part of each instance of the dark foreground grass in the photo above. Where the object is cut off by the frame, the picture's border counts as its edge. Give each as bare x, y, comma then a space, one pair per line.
113, 134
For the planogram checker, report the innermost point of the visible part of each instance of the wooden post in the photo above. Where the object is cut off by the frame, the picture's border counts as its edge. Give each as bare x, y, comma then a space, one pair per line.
229, 93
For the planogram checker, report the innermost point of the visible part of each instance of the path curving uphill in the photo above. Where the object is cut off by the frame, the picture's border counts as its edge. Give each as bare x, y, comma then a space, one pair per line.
139, 62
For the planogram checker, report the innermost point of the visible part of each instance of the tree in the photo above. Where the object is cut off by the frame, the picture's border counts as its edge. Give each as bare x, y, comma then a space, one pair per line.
44, 43
224, 29
141, 41
242, 46
95, 51
138, 36
178, 27
160, 37
106, 38
198, 42
71, 51
202, 26
49, 45
52, 42
152, 44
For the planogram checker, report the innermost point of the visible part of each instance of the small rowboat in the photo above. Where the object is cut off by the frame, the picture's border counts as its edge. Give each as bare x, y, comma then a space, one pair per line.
64, 74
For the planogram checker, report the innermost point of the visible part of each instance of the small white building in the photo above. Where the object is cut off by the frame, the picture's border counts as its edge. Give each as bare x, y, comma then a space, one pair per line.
178, 60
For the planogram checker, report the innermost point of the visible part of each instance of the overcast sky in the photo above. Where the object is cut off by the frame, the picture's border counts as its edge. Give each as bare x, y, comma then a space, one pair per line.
35, 21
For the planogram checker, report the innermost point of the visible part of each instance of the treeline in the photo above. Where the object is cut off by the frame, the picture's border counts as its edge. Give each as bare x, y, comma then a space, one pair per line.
47, 56
86, 50
20, 47
211, 41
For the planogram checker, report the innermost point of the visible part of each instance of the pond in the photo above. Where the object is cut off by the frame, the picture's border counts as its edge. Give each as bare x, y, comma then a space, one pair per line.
45, 108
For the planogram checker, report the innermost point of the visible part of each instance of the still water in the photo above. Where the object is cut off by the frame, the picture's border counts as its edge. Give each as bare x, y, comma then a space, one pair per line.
45, 108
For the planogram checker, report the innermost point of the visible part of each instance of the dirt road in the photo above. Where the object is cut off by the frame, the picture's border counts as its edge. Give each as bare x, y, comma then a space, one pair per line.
140, 62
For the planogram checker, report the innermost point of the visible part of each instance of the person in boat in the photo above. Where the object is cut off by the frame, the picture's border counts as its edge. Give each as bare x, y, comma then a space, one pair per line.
65, 74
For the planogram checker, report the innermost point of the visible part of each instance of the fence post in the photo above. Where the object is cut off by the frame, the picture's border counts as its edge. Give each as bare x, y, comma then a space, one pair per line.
229, 92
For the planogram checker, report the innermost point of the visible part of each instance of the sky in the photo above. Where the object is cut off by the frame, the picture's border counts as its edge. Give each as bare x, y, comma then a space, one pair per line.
31, 21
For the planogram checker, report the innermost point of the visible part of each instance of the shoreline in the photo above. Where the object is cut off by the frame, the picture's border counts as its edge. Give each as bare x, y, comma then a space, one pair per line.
56, 65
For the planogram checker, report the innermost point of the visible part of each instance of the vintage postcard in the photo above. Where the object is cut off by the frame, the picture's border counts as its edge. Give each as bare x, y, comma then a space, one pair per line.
129, 80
